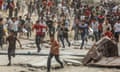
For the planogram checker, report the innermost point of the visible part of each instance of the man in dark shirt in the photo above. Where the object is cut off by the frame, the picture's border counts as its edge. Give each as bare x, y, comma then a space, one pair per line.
64, 35
11, 7
1, 32
49, 22
51, 27
12, 45
84, 30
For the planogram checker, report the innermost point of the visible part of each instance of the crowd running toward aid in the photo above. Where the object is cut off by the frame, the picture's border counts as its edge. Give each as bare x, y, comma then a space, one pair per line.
59, 21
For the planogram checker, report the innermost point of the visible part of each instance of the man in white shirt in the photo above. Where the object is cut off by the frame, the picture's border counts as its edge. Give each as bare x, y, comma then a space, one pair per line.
14, 25
117, 30
94, 26
106, 25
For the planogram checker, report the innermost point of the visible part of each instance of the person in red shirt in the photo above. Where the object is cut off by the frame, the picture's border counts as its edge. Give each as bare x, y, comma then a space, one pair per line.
50, 3
54, 52
87, 13
1, 2
39, 33
108, 33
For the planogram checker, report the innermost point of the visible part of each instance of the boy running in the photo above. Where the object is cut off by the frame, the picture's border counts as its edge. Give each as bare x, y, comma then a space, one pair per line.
11, 39
54, 51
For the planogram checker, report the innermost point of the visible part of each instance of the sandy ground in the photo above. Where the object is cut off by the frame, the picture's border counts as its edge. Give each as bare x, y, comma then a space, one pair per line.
66, 69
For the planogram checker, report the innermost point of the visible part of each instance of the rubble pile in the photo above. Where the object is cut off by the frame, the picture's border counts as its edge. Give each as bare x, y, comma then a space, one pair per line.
104, 48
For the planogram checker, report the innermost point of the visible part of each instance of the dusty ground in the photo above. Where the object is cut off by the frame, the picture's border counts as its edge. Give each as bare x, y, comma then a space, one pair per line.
66, 69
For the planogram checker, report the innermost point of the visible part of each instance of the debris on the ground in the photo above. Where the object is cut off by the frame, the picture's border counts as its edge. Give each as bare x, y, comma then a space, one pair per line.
73, 62
101, 51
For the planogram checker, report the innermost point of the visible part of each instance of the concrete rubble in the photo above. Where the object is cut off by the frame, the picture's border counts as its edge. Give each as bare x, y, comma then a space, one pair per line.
103, 53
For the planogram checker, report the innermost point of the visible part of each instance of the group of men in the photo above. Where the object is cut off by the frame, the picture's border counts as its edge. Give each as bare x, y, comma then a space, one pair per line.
56, 20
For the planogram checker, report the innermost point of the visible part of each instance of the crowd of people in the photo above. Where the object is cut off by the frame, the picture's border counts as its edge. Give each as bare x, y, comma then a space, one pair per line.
58, 18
